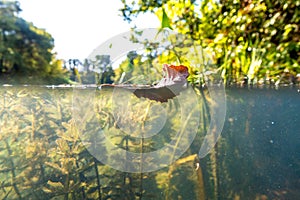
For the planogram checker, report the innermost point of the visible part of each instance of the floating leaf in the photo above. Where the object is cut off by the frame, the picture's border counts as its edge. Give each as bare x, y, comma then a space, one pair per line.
173, 82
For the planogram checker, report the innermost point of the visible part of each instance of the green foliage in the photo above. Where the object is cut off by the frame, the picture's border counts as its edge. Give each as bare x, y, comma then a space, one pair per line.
26, 51
91, 71
145, 66
103, 69
137, 69
165, 21
248, 41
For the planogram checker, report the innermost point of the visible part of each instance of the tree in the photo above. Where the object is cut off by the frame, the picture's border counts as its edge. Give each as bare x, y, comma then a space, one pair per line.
137, 69
249, 40
98, 70
25, 50
103, 69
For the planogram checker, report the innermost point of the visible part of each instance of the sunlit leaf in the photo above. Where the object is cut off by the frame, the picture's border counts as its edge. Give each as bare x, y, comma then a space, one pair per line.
57, 185
165, 22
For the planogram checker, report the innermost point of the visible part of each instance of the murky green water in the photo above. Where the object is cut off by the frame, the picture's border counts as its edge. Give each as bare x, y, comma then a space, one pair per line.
42, 155
258, 157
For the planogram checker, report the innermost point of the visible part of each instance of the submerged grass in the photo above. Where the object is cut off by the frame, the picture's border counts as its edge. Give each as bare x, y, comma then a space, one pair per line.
42, 155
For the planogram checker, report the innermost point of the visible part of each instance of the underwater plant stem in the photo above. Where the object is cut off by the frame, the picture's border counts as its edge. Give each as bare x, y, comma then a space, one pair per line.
32, 126
213, 154
181, 134
214, 171
80, 180
206, 107
66, 186
200, 188
142, 150
97, 178
170, 171
141, 172
127, 179
171, 168
13, 173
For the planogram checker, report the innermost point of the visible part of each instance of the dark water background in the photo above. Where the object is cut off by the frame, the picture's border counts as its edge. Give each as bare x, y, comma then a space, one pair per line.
257, 157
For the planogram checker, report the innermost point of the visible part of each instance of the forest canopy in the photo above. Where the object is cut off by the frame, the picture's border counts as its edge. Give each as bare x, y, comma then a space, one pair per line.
252, 40
249, 41
26, 52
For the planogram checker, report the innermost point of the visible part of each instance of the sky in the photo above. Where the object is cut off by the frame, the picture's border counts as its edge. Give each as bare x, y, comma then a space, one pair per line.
78, 27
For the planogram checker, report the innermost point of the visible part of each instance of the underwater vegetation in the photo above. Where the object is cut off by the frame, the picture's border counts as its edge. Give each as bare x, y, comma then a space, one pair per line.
42, 155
